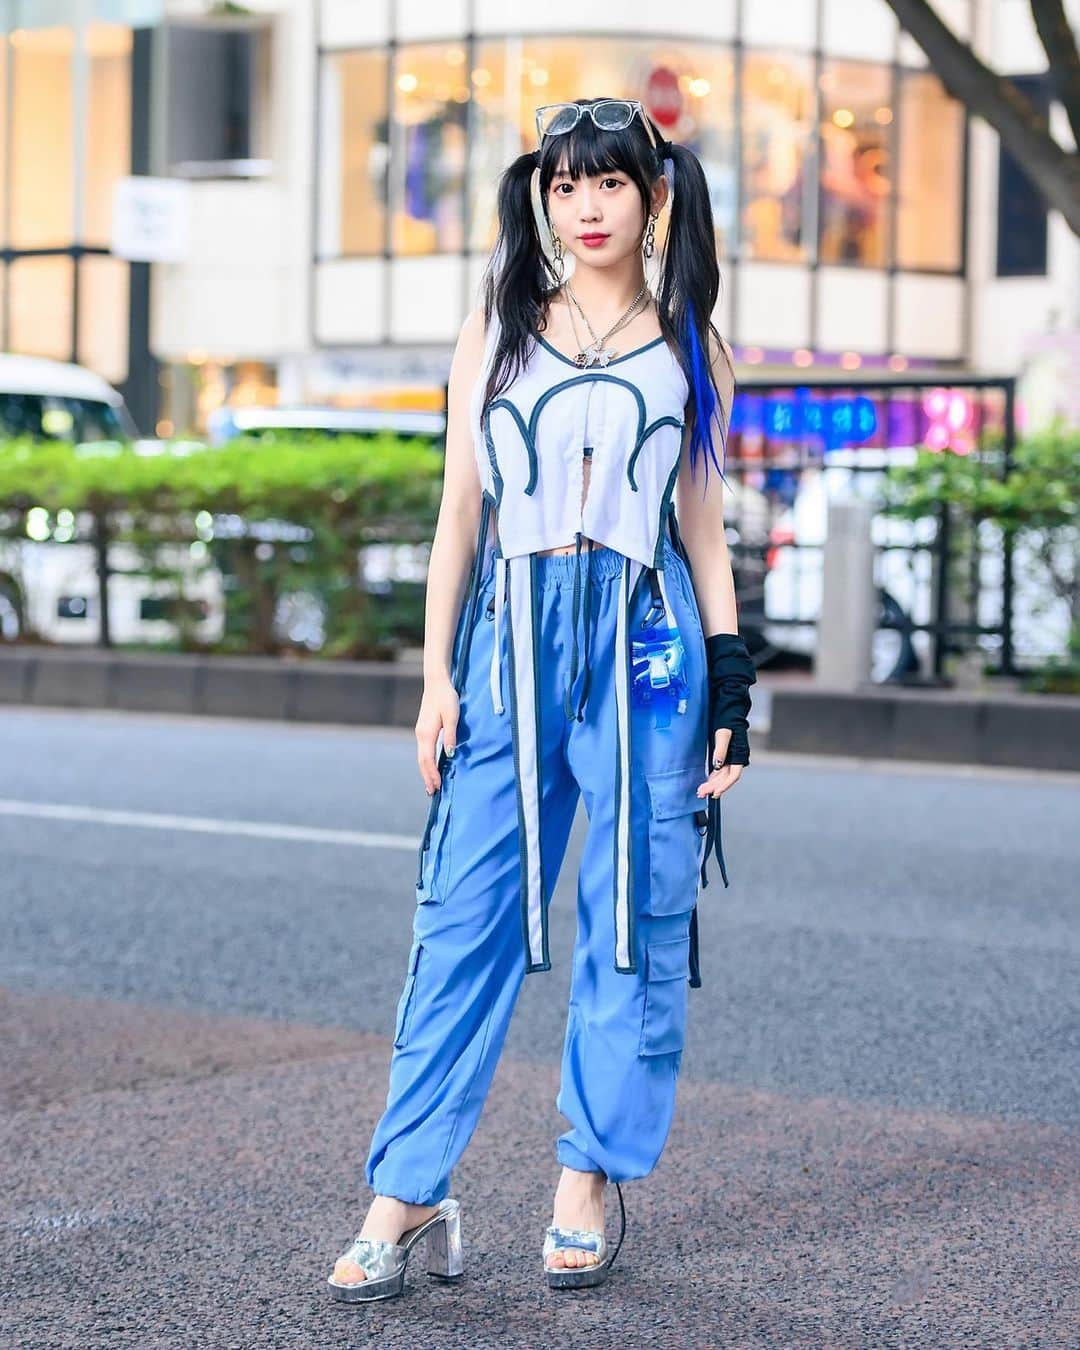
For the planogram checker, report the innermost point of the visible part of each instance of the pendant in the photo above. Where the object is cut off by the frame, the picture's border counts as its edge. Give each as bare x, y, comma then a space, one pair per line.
595, 355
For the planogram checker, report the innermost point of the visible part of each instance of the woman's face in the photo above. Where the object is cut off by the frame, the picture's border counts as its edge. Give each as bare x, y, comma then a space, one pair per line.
599, 219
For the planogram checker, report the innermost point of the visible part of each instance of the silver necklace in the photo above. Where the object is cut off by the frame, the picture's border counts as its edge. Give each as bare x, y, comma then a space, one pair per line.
597, 353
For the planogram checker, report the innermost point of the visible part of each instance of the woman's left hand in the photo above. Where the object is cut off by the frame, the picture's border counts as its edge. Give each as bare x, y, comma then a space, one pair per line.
727, 775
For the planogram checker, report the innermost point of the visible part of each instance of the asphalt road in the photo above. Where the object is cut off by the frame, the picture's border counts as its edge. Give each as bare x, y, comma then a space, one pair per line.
205, 926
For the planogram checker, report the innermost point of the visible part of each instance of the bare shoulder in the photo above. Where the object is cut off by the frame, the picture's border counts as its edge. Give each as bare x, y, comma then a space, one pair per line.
722, 360
472, 330
469, 351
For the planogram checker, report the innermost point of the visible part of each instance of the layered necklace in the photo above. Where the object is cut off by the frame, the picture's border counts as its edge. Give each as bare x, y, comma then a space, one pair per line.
597, 353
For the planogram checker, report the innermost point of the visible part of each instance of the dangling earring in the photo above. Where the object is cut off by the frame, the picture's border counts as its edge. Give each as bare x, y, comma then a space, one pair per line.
557, 253
649, 249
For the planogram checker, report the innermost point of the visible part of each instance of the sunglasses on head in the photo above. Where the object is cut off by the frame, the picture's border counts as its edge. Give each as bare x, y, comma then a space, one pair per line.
609, 114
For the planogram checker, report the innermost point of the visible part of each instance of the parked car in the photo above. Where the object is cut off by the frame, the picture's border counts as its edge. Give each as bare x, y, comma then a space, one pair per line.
48, 582
226, 422
59, 400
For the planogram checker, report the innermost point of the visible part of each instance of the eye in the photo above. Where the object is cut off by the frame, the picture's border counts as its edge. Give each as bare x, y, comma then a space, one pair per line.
616, 181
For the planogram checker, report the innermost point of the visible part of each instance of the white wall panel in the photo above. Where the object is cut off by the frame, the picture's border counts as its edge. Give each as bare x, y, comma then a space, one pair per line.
349, 305
418, 20
426, 303
852, 310
1015, 45
705, 19
355, 23
930, 316
773, 305
859, 28
792, 24
241, 290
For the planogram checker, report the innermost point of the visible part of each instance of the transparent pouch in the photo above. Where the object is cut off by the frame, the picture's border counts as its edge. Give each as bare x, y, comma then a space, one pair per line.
658, 672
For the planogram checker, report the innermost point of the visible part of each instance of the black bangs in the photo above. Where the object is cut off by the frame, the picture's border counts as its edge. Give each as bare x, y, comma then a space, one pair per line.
588, 151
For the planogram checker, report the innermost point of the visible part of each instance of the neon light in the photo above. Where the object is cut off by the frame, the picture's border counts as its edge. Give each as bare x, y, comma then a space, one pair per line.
836, 422
949, 414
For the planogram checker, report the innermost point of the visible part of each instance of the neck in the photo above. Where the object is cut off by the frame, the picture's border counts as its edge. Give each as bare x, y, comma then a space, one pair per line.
607, 291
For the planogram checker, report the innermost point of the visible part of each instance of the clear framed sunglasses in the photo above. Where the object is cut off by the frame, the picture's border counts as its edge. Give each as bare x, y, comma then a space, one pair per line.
609, 114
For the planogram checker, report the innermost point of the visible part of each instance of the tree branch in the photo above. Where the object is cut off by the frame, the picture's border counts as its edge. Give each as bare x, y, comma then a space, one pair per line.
1023, 130
1059, 43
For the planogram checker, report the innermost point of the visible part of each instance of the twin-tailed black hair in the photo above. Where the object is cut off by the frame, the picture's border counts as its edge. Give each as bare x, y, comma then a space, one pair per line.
519, 274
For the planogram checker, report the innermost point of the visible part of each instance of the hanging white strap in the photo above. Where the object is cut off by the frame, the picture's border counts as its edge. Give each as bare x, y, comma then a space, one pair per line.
623, 880
496, 649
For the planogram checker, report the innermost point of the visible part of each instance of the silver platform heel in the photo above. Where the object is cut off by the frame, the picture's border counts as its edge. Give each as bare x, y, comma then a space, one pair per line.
384, 1263
586, 1239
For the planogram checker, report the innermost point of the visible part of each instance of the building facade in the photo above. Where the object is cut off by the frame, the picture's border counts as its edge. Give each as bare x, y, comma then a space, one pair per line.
339, 162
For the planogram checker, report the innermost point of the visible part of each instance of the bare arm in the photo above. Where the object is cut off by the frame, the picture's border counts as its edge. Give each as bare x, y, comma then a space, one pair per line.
700, 510
453, 550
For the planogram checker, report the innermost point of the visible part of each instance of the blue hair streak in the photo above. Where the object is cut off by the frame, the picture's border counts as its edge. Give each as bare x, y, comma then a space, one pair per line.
704, 395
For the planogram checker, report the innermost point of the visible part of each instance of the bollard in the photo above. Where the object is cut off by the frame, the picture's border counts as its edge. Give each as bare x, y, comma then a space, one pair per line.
845, 630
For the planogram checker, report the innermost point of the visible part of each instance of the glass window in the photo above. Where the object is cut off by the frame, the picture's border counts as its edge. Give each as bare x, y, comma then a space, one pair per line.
41, 294
856, 117
108, 136
1022, 236
689, 93
42, 152
779, 184
353, 150
930, 175
428, 161
220, 96
103, 316
5, 54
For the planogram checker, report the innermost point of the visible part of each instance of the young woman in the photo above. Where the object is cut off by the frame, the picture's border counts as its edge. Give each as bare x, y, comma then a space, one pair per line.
566, 654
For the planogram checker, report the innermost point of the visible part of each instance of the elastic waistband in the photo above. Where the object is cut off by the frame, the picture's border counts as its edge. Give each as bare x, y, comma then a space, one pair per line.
602, 563
557, 569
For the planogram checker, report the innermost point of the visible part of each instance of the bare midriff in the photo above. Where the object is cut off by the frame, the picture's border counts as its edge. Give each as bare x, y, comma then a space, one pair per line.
585, 541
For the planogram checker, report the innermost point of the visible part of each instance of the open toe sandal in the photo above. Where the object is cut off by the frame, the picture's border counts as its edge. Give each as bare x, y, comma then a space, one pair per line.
384, 1263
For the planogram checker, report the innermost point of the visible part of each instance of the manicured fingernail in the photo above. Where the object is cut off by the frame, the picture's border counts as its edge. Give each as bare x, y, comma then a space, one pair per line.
450, 752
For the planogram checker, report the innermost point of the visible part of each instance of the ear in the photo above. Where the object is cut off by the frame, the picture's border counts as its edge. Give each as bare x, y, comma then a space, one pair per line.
660, 192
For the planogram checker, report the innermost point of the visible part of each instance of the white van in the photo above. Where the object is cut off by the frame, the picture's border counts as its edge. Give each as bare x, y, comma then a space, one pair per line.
49, 586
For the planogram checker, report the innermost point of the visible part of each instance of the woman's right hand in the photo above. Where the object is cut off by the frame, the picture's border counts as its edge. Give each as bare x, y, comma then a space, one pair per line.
438, 712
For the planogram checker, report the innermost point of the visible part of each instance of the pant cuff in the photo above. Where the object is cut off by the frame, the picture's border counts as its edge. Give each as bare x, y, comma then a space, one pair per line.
570, 1156
409, 1192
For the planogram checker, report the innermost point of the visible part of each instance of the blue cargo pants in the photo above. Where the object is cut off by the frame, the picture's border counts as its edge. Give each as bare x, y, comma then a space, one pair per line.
624, 1031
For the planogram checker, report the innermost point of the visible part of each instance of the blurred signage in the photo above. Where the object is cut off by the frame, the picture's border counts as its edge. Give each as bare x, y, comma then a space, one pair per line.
941, 419
151, 219
802, 416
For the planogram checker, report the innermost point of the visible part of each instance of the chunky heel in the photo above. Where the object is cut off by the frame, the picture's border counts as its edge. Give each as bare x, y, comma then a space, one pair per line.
384, 1263
445, 1259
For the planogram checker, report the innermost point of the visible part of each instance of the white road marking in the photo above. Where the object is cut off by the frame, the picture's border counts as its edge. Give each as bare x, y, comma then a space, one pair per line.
308, 834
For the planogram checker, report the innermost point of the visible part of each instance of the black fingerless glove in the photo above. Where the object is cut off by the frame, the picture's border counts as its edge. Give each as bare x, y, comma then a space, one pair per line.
731, 673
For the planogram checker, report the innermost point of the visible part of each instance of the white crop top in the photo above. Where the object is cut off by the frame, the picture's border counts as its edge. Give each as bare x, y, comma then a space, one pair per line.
530, 443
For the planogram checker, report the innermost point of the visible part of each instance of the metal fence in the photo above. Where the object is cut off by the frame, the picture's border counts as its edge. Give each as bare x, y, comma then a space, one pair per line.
793, 444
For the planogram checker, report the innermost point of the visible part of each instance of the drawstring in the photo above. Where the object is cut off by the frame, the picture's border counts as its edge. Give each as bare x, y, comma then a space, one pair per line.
578, 712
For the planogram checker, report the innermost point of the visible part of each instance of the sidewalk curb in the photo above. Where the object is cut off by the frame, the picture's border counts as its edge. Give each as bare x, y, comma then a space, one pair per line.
1031, 731
378, 693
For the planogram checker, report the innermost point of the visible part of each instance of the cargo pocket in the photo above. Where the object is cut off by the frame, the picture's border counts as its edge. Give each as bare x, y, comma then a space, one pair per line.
405, 1002
677, 821
430, 881
663, 1022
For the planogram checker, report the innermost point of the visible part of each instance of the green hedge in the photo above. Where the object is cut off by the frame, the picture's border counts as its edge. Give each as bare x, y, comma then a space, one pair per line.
343, 491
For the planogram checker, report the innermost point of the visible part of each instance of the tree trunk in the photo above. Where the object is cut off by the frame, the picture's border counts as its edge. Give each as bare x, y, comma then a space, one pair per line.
1023, 131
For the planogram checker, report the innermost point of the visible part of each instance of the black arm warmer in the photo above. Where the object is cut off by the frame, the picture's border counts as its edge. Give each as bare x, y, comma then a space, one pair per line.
731, 673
